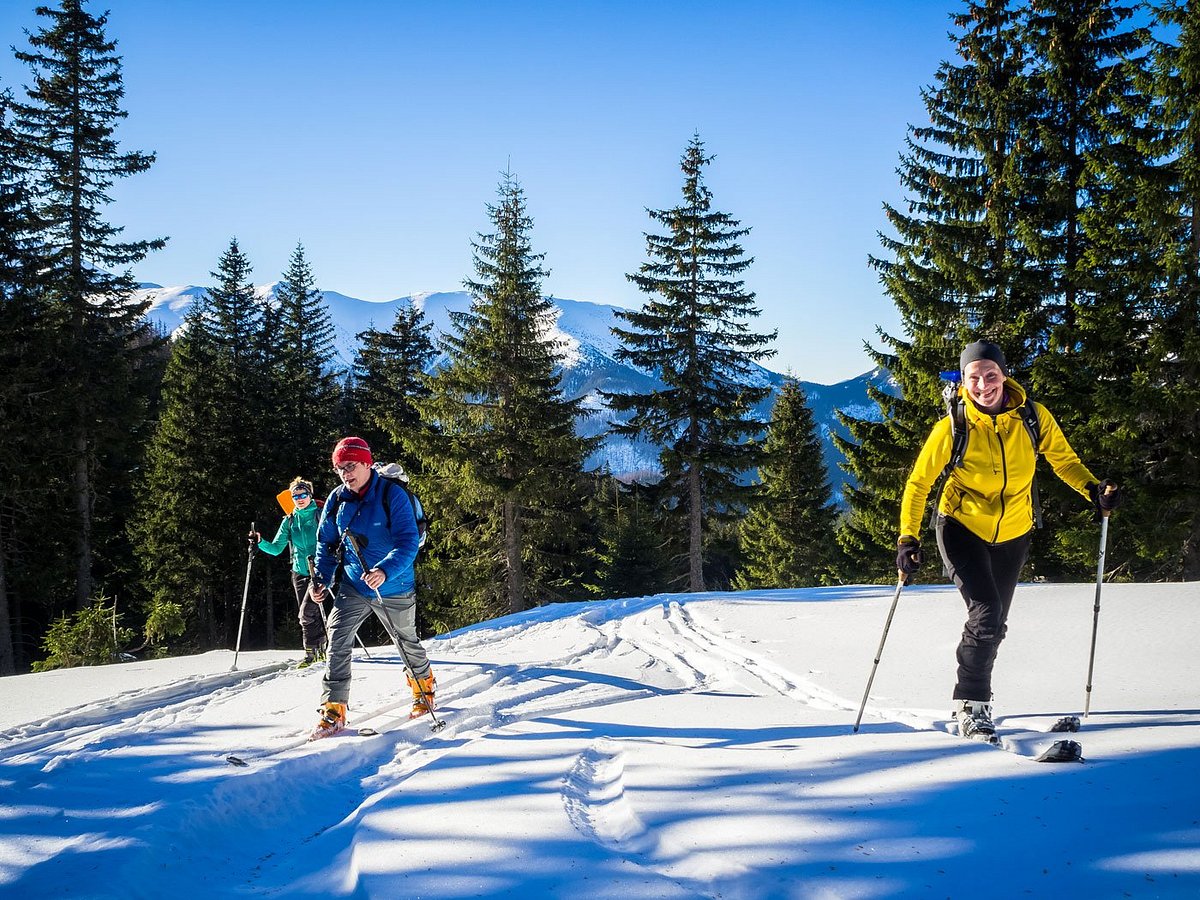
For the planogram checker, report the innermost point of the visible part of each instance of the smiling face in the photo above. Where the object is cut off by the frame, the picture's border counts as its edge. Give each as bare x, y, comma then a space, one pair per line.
984, 382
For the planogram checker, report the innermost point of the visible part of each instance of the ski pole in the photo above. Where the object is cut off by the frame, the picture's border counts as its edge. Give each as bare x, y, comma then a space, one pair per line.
438, 724
312, 579
245, 593
1104, 514
879, 653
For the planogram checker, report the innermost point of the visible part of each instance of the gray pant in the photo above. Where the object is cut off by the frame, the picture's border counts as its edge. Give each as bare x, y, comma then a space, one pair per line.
350, 610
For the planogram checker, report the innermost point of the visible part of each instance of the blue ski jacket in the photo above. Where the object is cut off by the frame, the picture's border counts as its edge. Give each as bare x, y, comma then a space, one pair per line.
389, 548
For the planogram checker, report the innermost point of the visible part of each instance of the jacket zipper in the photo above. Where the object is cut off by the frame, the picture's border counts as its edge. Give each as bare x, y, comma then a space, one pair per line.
1004, 482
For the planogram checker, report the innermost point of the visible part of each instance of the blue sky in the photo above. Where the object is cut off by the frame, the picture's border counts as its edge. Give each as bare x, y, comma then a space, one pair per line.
375, 134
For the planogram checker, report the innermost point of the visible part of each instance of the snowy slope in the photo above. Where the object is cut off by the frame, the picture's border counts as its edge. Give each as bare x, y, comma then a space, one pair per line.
667, 746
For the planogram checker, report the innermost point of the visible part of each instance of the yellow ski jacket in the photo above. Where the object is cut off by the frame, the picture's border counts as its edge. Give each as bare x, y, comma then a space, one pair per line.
990, 493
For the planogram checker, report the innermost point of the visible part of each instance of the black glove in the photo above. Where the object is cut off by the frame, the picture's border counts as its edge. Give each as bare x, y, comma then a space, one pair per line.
909, 556
1106, 497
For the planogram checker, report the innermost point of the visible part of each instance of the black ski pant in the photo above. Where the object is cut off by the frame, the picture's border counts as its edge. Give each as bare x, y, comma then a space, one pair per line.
312, 622
986, 575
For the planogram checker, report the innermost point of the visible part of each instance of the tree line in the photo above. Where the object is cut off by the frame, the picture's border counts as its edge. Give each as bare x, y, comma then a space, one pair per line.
1050, 207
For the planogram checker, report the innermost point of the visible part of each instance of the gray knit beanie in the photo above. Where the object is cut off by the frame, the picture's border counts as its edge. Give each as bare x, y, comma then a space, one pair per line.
978, 350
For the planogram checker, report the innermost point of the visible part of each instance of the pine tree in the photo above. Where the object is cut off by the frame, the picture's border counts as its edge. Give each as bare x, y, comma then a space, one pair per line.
1163, 515
507, 469
176, 529
1084, 138
959, 267
305, 394
693, 334
68, 126
208, 457
390, 383
634, 549
32, 455
787, 537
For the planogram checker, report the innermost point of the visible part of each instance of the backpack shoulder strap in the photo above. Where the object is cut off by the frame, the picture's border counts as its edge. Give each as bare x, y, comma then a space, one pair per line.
387, 505
959, 431
1033, 424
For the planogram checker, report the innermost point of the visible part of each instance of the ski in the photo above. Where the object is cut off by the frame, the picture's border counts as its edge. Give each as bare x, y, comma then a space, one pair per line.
1060, 751
364, 732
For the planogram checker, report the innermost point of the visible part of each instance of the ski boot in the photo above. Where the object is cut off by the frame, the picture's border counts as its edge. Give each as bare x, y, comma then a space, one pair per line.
311, 656
333, 720
974, 718
422, 689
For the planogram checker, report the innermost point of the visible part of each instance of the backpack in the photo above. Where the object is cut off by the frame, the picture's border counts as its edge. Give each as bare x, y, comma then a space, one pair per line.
959, 432
394, 477
393, 474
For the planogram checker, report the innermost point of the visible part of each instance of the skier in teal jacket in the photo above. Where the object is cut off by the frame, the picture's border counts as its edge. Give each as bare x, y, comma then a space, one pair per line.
299, 531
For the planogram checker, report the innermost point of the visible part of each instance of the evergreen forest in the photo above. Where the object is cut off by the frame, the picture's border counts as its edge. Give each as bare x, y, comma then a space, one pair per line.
1052, 205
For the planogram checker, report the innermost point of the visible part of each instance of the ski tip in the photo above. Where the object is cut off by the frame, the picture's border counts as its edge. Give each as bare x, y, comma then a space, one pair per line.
236, 761
1062, 751
1066, 724
367, 732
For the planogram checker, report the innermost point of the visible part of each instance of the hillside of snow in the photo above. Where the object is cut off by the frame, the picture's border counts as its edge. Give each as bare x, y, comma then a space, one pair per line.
669, 746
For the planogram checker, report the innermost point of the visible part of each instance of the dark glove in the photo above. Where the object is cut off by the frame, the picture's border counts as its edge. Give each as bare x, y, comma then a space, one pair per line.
909, 556
1106, 497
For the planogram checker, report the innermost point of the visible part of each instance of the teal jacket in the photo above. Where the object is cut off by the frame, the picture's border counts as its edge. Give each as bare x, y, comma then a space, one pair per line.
300, 531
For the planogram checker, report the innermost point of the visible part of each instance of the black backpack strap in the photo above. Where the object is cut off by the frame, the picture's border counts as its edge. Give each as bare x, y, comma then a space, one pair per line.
1033, 425
387, 506
956, 412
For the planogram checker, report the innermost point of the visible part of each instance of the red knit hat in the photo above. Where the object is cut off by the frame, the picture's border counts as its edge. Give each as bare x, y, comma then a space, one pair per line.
352, 449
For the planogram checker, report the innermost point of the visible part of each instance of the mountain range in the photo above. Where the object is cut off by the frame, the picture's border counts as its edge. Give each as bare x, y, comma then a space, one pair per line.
590, 365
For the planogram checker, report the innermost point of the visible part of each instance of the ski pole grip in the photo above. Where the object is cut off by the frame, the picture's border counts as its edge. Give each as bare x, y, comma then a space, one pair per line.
1110, 489
314, 578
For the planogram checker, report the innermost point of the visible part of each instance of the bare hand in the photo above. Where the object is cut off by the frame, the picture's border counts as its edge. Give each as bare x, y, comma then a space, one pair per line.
374, 579
318, 592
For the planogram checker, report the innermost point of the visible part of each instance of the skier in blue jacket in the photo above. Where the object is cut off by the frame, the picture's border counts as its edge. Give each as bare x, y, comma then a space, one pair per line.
385, 529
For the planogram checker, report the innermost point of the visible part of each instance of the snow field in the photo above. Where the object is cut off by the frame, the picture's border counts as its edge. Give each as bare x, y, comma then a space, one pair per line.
671, 746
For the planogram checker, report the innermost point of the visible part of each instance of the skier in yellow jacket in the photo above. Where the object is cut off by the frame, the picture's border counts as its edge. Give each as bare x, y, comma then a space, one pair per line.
985, 517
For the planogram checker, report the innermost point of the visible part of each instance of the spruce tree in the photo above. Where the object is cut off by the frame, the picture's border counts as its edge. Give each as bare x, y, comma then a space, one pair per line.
787, 536
390, 383
633, 554
693, 334
1084, 137
177, 530
1164, 521
506, 468
208, 458
305, 393
958, 264
32, 454
68, 127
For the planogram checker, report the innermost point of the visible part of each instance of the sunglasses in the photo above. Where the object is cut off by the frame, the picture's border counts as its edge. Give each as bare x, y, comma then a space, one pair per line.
348, 467
301, 495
